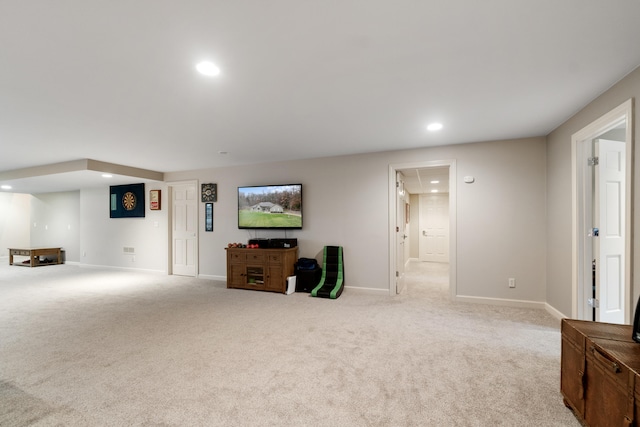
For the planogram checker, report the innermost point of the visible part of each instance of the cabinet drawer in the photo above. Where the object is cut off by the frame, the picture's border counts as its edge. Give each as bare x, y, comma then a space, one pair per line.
20, 252
237, 257
275, 258
254, 257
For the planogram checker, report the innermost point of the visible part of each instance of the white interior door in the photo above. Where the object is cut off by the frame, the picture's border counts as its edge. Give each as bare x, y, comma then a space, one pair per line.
184, 233
401, 232
434, 228
609, 219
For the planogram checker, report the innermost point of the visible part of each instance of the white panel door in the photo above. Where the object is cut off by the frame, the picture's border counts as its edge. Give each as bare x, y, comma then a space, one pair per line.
434, 228
184, 204
610, 243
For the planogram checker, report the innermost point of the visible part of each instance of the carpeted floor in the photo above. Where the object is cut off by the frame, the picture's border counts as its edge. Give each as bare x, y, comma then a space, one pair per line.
94, 347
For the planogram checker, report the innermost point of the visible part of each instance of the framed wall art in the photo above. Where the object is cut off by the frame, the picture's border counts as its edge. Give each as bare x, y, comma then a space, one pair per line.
209, 192
126, 201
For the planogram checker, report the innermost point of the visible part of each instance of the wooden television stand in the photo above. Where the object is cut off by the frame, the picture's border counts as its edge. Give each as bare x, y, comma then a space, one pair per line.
260, 269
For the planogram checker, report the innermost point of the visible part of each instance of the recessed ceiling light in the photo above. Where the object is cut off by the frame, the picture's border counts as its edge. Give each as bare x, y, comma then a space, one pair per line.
107, 175
432, 127
434, 191
6, 187
435, 182
208, 68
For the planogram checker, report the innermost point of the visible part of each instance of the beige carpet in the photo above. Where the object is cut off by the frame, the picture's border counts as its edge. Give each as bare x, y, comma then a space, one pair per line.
93, 347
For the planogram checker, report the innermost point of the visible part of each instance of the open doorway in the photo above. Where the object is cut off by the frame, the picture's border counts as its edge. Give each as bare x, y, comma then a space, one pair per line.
601, 196
405, 242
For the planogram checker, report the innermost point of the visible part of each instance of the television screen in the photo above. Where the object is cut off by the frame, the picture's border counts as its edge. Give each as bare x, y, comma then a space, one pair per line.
270, 206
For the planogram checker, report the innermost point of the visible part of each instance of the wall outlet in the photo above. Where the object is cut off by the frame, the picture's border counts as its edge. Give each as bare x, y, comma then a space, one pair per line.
512, 282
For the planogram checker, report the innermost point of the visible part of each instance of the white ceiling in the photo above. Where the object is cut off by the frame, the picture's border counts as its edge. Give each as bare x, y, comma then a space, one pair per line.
426, 180
115, 81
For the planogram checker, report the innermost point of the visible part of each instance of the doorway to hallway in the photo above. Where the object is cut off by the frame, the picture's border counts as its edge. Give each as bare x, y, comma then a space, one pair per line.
422, 178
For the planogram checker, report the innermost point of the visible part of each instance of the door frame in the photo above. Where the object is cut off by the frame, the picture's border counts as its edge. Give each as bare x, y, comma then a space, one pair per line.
608, 121
400, 202
170, 186
393, 168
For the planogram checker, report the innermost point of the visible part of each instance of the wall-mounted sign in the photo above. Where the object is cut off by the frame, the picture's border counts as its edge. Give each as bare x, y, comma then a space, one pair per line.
155, 200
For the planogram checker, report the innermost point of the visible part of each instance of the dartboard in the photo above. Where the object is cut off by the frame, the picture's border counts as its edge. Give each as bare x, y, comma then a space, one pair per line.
129, 201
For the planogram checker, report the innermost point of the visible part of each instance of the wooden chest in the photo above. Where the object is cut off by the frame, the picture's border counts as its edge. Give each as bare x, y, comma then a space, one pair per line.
599, 369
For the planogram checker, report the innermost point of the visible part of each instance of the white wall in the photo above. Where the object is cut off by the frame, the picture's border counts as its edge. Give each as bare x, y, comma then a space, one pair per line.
55, 221
102, 238
14, 221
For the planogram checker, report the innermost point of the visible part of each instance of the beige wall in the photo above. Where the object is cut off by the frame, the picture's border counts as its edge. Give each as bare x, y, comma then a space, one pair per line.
501, 222
514, 221
501, 217
559, 221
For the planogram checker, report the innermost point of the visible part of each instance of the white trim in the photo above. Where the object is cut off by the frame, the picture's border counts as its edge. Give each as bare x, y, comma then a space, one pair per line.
366, 291
501, 302
451, 164
115, 267
608, 121
555, 313
212, 277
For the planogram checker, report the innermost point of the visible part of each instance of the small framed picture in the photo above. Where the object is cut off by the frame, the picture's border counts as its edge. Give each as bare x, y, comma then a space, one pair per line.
209, 192
208, 217
155, 200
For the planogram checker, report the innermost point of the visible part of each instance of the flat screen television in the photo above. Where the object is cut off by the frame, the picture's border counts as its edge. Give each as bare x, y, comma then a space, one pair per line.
270, 207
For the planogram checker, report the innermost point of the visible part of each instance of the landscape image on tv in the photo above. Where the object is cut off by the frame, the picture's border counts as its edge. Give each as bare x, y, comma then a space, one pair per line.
270, 206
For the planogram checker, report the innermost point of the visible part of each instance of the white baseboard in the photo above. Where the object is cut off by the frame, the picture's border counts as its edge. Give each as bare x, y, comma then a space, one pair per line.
213, 277
110, 267
555, 313
368, 291
501, 301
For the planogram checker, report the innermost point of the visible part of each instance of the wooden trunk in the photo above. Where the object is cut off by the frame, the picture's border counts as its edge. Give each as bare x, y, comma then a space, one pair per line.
599, 373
